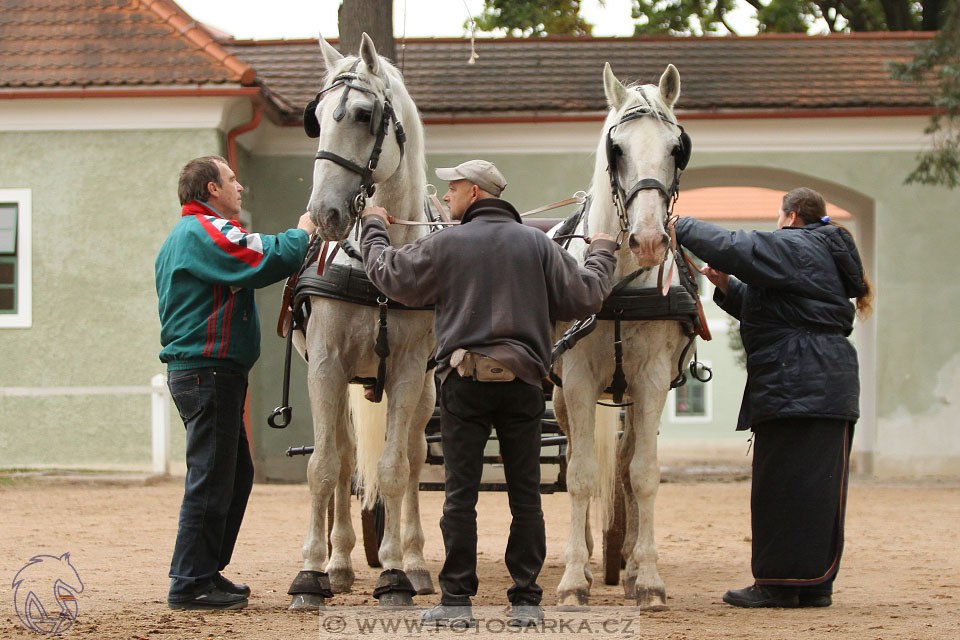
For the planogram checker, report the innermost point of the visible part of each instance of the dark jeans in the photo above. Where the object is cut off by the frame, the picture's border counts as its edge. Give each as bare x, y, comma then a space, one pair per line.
219, 476
467, 410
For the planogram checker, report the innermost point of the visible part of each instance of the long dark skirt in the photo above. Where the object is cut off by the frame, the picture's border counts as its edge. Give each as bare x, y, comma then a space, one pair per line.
798, 499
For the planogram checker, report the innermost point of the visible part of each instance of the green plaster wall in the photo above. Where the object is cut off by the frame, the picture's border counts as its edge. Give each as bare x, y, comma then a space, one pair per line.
103, 202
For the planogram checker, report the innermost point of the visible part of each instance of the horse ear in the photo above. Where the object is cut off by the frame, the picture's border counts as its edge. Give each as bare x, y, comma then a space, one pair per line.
330, 55
615, 91
368, 53
670, 85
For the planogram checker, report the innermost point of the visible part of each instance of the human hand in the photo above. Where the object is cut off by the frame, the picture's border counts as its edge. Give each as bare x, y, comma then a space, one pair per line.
379, 212
600, 236
720, 279
306, 224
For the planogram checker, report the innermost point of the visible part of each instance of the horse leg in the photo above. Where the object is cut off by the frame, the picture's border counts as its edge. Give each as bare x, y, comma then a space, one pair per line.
576, 416
393, 471
649, 590
342, 537
631, 518
312, 586
414, 564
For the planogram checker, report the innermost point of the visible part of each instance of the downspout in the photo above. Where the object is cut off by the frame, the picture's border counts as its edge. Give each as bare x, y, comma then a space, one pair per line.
232, 161
242, 128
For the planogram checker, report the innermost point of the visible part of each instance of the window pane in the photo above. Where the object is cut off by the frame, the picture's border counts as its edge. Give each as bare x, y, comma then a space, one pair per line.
6, 299
691, 399
8, 216
7, 272
8, 241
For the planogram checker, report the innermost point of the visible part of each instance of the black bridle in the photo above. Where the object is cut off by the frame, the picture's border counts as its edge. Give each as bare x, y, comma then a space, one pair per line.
381, 116
623, 197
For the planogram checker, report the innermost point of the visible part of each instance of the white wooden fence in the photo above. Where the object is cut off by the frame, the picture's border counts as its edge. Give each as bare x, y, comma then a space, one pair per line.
159, 414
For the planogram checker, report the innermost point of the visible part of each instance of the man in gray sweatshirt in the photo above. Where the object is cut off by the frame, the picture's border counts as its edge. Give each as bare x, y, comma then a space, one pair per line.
498, 287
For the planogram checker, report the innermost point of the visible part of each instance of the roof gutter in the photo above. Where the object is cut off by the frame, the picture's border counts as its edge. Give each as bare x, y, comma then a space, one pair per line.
242, 128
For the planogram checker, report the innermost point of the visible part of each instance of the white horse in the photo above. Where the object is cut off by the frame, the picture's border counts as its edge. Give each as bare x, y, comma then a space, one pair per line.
360, 117
647, 149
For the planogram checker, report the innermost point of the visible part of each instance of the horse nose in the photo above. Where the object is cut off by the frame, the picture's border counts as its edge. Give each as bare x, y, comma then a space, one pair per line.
648, 245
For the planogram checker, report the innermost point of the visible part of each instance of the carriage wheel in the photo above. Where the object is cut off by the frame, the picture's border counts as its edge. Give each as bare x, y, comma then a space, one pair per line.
372, 521
613, 539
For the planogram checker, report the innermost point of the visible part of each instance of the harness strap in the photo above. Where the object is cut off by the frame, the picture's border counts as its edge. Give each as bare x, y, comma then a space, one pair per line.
382, 349
340, 160
619, 384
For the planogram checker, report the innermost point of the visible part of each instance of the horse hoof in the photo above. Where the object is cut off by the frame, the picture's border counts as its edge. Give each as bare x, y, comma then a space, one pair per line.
307, 602
577, 600
654, 599
396, 600
420, 579
341, 580
630, 588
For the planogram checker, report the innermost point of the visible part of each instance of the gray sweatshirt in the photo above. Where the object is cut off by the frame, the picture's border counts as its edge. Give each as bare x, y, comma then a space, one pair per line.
498, 285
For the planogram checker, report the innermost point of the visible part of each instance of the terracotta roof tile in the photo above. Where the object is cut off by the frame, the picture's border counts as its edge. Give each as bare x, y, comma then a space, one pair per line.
563, 75
87, 43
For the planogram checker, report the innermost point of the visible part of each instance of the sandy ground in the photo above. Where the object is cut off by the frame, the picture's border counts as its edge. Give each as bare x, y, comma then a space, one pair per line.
900, 576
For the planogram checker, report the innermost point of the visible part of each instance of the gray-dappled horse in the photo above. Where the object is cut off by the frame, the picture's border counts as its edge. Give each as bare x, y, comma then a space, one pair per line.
370, 152
639, 157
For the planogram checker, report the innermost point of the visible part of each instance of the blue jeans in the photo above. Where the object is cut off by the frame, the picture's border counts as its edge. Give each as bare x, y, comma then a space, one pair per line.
219, 476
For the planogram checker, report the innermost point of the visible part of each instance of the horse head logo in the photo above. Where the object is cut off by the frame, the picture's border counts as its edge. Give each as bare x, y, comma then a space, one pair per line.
45, 594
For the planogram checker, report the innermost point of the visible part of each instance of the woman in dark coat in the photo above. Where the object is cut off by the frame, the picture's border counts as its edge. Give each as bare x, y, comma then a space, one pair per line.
791, 291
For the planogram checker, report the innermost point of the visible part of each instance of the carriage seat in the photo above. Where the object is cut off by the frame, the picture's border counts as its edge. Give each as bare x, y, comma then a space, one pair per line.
544, 224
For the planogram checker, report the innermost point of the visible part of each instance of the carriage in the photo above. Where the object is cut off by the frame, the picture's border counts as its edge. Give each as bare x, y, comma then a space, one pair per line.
630, 353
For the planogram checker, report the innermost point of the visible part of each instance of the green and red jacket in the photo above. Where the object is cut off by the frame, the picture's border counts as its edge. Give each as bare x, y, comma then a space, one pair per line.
207, 271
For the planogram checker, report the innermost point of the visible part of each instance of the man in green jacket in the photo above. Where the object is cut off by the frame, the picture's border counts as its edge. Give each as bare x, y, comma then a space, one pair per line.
206, 274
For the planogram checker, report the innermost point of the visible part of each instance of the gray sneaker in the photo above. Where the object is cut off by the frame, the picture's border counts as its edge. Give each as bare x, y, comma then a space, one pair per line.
526, 615
448, 615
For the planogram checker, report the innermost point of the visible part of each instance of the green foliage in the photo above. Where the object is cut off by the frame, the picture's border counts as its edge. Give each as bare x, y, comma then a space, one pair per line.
939, 64
703, 17
526, 18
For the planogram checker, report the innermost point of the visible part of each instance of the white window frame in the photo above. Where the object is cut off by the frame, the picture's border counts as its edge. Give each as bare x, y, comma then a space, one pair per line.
23, 318
707, 403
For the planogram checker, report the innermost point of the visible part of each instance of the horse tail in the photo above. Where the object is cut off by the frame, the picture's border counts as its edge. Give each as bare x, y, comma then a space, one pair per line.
605, 451
370, 429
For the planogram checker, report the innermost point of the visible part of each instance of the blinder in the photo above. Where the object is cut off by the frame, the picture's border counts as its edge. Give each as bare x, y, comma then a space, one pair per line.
613, 153
681, 152
310, 123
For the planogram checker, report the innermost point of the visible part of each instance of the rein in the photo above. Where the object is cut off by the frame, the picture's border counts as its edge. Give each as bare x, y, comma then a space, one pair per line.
575, 199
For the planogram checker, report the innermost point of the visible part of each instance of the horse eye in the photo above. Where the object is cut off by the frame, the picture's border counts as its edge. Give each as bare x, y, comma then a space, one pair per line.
363, 115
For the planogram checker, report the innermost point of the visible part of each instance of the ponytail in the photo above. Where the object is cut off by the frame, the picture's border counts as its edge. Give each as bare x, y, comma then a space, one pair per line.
811, 208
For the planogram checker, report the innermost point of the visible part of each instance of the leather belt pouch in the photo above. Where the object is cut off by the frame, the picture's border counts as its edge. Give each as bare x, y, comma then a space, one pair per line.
480, 367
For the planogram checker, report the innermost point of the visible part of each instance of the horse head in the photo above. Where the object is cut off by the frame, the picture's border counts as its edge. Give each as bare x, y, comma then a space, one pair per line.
358, 118
642, 152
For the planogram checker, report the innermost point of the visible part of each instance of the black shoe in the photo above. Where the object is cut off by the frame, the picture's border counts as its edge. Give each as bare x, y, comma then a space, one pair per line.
230, 587
758, 596
212, 600
526, 615
814, 600
449, 615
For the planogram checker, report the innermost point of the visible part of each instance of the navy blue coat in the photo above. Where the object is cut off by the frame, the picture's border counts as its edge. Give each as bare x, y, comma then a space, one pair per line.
791, 293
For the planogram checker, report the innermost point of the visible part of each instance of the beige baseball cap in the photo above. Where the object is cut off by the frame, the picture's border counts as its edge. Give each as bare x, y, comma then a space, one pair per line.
479, 172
